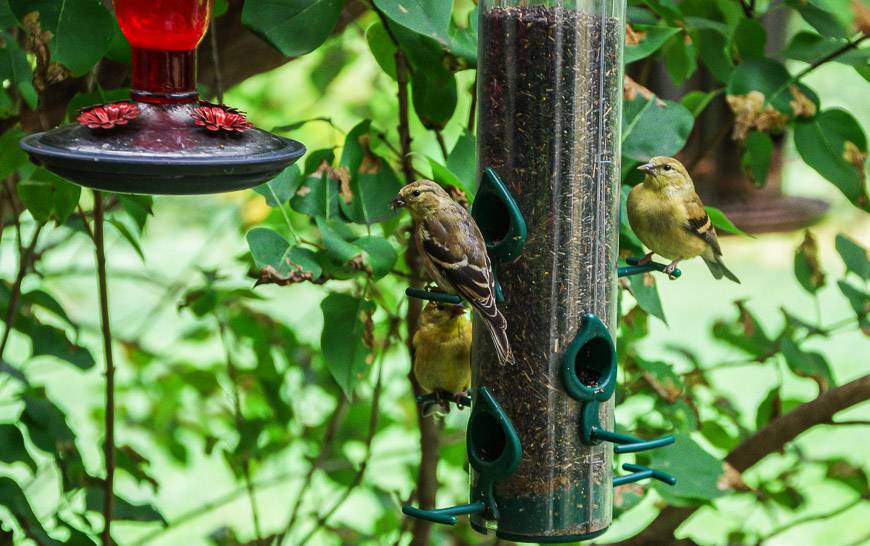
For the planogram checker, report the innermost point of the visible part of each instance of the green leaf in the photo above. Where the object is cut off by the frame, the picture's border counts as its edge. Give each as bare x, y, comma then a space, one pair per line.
853, 255
645, 291
382, 47
46, 423
342, 340
380, 256
12, 449
47, 196
697, 471
713, 48
652, 128
14, 499
430, 18
807, 364
128, 236
84, 32
434, 96
269, 249
12, 157
123, 509
81, 30
859, 300
337, 246
834, 144
51, 341
445, 176
697, 101
462, 160
757, 156
278, 190
293, 27
317, 196
750, 39
373, 182
463, 41
138, 208
807, 266
767, 76
851, 475
745, 333
822, 20
650, 39
15, 67
318, 160
721, 222
809, 47
679, 58
769, 409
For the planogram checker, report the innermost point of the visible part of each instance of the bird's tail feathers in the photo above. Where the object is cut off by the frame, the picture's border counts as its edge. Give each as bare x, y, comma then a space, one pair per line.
497, 328
718, 269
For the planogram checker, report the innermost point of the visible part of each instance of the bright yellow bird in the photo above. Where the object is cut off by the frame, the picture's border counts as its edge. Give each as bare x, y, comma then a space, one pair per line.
669, 217
442, 351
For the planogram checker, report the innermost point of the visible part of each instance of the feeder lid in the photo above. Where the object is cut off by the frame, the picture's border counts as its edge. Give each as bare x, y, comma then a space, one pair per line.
163, 151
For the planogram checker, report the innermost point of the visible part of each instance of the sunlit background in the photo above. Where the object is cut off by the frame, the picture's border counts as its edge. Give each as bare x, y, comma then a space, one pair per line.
189, 235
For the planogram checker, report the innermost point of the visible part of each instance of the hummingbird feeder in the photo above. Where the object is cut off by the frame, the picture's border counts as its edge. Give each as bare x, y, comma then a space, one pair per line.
164, 140
541, 439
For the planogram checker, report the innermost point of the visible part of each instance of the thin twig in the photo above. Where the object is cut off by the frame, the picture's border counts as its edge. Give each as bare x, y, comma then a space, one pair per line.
357, 479
809, 519
473, 111
216, 61
109, 442
232, 371
334, 423
15, 294
441, 144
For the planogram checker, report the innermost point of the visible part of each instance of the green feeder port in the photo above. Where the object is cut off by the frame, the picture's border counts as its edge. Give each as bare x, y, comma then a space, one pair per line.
494, 451
497, 214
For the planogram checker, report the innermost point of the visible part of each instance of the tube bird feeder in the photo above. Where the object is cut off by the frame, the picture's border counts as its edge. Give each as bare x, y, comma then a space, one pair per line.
550, 100
163, 141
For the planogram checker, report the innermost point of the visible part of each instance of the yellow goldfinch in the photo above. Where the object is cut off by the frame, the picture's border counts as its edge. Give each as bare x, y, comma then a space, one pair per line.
669, 217
454, 253
442, 351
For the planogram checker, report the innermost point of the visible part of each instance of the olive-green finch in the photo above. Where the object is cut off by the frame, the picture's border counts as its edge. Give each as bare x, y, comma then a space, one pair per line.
669, 218
454, 253
442, 352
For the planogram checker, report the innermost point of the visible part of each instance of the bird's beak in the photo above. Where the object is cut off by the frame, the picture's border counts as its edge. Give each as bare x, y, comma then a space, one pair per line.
397, 202
647, 168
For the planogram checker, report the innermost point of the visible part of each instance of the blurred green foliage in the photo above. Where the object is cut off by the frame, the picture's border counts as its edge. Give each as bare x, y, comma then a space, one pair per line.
267, 393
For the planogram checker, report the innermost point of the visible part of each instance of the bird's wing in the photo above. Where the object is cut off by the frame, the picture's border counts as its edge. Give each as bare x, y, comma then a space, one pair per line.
699, 223
455, 246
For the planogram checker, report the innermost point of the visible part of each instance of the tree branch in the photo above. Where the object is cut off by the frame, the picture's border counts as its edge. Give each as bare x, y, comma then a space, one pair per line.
24, 256
770, 439
427, 479
109, 442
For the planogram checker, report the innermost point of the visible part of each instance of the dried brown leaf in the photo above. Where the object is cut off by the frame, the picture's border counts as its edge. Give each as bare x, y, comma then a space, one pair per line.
631, 89
633, 37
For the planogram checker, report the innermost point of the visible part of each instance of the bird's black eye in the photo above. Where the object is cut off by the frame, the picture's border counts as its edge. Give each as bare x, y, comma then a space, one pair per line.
667, 167
416, 193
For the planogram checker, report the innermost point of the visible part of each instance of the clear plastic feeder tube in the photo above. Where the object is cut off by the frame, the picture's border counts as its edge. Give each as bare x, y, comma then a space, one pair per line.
550, 96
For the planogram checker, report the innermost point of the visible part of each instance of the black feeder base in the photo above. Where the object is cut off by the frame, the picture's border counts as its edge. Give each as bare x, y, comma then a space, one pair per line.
162, 151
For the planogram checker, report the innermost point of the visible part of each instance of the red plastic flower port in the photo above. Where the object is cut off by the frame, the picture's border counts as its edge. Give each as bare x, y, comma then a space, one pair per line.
220, 118
108, 116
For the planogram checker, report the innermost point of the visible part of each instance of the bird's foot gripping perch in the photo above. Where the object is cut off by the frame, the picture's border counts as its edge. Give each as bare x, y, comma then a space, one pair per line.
444, 399
637, 266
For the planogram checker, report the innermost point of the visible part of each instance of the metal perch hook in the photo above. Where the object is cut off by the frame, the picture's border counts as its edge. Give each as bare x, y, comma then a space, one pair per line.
634, 267
639, 472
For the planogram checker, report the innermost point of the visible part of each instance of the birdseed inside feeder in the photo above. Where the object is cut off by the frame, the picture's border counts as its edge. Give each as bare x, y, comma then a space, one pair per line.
164, 140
